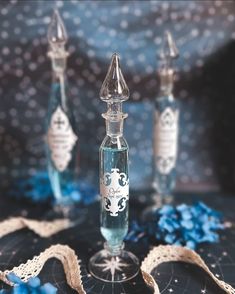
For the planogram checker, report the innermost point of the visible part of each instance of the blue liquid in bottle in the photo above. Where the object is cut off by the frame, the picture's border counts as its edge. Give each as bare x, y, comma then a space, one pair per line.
61, 136
61, 178
114, 216
165, 144
166, 122
113, 264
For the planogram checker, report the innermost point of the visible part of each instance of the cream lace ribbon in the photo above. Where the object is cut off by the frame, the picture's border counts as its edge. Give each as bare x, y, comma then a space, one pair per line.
72, 270
168, 253
70, 262
41, 228
34, 266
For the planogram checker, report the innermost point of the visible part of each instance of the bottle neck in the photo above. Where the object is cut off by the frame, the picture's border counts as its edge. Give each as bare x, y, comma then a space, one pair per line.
58, 77
114, 119
114, 128
59, 81
114, 250
58, 56
166, 81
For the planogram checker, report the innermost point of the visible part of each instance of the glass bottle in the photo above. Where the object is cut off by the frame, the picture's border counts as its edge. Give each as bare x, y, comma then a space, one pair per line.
61, 138
166, 118
114, 264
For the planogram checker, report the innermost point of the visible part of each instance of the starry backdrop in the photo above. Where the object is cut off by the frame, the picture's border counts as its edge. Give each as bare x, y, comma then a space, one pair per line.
205, 35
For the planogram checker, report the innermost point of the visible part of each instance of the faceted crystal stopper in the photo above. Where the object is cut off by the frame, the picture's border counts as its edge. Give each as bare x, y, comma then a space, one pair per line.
57, 34
114, 87
169, 50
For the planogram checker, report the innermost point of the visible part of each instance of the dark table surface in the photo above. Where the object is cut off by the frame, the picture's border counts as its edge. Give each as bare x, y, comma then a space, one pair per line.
85, 239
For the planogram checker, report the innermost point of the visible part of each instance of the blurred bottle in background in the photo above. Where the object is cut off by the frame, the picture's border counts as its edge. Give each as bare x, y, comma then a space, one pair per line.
61, 138
166, 117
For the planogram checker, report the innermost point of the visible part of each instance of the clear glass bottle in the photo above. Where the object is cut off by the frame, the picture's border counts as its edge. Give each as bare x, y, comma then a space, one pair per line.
114, 163
61, 138
166, 118
113, 264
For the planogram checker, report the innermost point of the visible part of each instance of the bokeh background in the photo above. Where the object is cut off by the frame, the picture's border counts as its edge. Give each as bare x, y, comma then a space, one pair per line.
205, 84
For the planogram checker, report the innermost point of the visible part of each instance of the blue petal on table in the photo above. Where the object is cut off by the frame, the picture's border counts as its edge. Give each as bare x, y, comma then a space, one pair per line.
167, 224
195, 235
48, 289
37, 188
166, 209
185, 211
181, 225
170, 238
191, 244
34, 282
14, 278
33, 286
188, 224
212, 238
20, 289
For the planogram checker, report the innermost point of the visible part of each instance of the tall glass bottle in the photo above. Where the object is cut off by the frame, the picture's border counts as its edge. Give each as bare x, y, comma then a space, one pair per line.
114, 264
61, 138
166, 122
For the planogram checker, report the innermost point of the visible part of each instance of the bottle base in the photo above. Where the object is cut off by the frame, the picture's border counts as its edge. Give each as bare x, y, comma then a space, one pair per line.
114, 268
157, 202
76, 214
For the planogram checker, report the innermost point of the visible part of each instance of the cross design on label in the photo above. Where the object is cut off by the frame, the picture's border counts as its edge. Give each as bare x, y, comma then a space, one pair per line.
168, 118
61, 139
59, 122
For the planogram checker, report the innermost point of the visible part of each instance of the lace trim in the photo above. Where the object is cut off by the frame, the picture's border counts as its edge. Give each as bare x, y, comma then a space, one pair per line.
168, 253
70, 261
41, 228
34, 266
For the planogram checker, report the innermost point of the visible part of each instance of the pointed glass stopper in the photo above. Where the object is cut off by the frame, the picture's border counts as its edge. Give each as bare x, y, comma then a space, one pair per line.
57, 35
114, 87
169, 50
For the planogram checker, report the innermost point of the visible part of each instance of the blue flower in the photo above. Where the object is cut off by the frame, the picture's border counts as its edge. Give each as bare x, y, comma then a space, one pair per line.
33, 286
181, 225
38, 189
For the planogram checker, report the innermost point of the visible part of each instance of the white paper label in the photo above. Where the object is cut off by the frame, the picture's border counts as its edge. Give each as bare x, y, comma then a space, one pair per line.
61, 139
165, 141
114, 190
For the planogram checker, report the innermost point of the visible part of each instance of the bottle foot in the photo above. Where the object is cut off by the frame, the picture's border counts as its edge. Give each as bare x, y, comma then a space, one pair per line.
109, 268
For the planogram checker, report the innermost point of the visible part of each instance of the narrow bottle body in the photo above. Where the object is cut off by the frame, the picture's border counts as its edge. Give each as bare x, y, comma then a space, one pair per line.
61, 142
114, 190
165, 144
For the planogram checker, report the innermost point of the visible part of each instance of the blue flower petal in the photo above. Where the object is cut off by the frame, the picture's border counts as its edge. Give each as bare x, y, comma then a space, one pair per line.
34, 282
191, 244
188, 224
14, 278
20, 289
166, 209
33, 286
48, 289
38, 188
170, 238
181, 225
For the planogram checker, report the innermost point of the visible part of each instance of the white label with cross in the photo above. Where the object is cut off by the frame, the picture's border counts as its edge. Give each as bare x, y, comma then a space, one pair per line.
165, 141
61, 139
